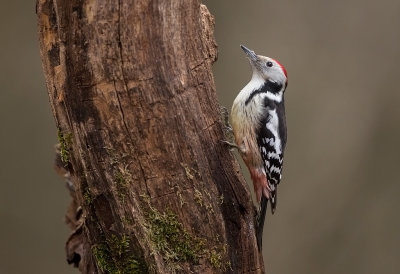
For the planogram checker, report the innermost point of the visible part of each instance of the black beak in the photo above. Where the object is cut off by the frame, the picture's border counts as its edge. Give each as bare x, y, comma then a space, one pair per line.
251, 54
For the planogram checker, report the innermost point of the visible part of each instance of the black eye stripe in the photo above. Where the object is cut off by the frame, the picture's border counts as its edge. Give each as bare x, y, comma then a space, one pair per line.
269, 64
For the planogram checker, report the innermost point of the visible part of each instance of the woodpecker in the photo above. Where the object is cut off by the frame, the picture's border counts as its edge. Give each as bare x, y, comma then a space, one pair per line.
259, 127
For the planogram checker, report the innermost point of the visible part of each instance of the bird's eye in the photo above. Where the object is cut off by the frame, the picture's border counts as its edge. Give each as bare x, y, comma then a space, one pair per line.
269, 64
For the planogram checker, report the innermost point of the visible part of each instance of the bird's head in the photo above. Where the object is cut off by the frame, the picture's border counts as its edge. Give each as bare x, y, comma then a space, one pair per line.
267, 68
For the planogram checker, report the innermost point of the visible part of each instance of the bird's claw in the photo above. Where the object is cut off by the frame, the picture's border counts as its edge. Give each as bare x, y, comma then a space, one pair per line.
229, 144
229, 129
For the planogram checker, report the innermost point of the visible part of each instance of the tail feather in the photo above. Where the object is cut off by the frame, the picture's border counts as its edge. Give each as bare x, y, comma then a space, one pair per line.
260, 221
274, 199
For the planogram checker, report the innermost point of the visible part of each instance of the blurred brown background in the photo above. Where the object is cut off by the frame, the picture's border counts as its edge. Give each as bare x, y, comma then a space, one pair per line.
33, 198
338, 201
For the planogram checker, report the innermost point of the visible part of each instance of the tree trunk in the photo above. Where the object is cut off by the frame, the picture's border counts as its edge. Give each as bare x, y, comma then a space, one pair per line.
132, 92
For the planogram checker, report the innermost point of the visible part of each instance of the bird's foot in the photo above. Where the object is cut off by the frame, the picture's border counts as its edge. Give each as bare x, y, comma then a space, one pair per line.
229, 144
228, 129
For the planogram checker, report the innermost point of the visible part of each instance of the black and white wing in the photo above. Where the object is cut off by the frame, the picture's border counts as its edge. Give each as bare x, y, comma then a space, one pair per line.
272, 141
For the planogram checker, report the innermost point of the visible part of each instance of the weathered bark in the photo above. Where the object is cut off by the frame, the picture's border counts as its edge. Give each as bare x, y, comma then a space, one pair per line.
133, 96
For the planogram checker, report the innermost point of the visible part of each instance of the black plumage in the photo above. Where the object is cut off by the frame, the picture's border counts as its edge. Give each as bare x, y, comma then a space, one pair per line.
267, 139
268, 134
269, 86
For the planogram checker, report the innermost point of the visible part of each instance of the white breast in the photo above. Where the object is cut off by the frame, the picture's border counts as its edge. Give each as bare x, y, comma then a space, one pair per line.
244, 119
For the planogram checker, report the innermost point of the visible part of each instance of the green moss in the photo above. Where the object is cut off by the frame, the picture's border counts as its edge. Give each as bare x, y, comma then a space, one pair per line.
127, 220
221, 199
103, 258
188, 172
114, 159
65, 140
171, 239
113, 257
122, 175
199, 199
177, 245
216, 257
87, 196
178, 192
119, 245
122, 179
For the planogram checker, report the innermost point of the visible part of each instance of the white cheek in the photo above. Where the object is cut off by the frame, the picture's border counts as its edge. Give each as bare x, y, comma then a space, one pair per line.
276, 75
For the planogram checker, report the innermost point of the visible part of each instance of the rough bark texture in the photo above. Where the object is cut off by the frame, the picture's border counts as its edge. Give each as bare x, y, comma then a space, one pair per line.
133, 96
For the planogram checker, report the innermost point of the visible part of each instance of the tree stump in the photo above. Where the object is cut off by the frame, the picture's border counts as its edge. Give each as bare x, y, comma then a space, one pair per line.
132, 92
